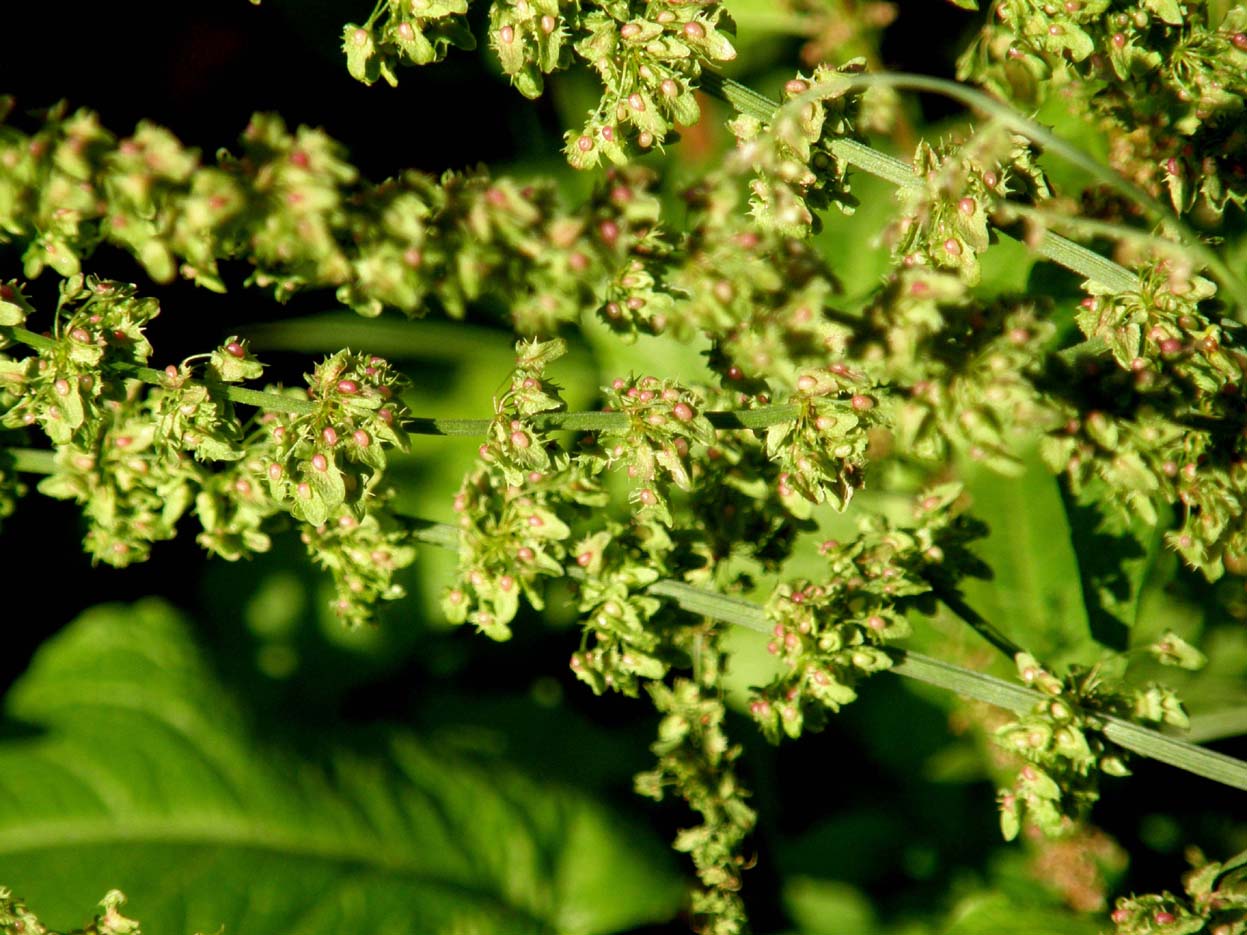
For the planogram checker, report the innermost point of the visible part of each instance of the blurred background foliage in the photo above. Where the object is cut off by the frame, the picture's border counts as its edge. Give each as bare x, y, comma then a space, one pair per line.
220, 748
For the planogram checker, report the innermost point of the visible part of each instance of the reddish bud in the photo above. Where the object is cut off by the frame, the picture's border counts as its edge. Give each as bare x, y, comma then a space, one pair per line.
547, 24
1240, 40
628, 30
304, 491
1163, 918
61, 387
234, 349
609, 232
636, 102
275, 471
862, 403
952, 247
520, 439
348, 387
694, 30
329, 435
507, 34
682, 411
967, 206
320, 462
1118, 40
584, 144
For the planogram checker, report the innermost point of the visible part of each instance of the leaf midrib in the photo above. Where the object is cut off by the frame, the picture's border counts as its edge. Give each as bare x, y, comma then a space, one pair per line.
28, 838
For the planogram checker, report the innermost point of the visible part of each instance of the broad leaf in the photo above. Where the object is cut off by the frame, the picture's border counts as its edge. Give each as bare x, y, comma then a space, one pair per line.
1114, 558
1035, 594
128, 766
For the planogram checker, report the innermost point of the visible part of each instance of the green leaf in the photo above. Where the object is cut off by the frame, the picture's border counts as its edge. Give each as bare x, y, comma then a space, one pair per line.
1035, 596
1114, 558
138, 771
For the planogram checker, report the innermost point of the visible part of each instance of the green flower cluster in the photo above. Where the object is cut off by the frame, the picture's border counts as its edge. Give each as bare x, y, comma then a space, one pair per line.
1167, 427
1061, 739
695, 759
830, 635
795, 170
821, 452
291, 206
943, 223
1165, 78
419, 31
140, 448
1215, 903
649, 57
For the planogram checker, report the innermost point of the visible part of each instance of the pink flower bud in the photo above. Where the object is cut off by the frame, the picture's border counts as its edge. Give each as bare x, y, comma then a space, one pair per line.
646, 496
275, 471
862, 403
361, 438
1163, 918
520, 440
669, 88
694, 30
234, 349
507, 34
636, 102
683, 412
320, 462
525, 554
796, 86
305, 491
386, 416
609, 232
329, 435
348, 387
61, 387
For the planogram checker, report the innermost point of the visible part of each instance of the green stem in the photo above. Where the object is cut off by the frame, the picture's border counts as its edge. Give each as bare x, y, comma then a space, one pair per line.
760, 418
1060, 250
965, 682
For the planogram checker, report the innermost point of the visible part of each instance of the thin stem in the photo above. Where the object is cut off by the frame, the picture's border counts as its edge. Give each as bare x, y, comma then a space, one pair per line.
760, 418
1058, 249
966, 682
